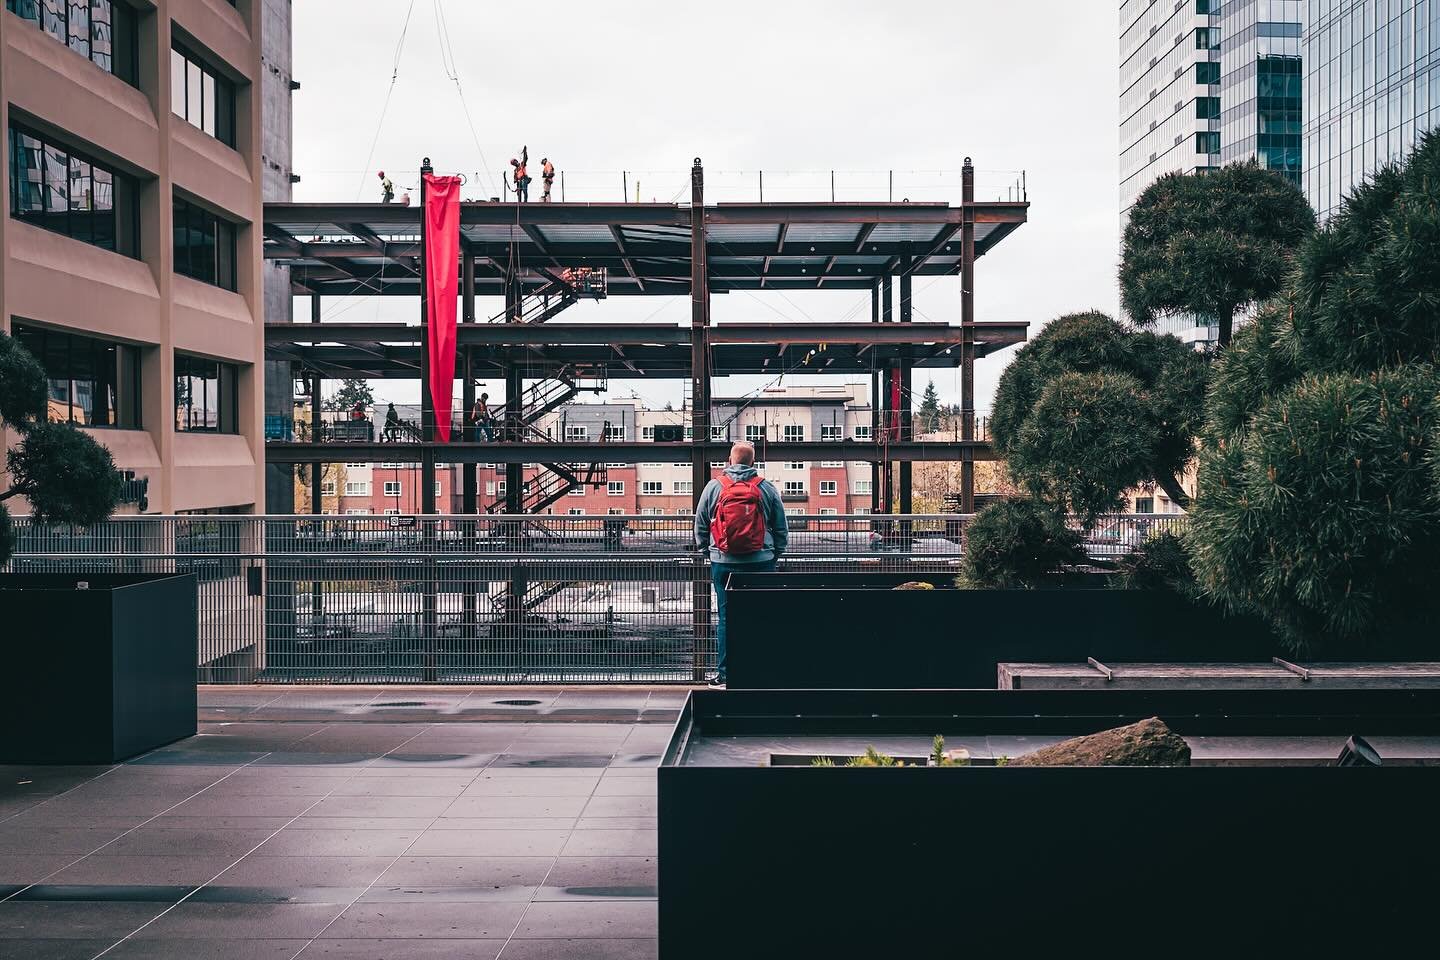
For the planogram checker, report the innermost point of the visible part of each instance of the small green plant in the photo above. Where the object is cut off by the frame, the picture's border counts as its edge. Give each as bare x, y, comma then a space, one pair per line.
1017, 543
822, 762
873, 758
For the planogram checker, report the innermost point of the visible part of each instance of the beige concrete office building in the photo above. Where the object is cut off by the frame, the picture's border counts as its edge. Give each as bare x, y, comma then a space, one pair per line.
131, 240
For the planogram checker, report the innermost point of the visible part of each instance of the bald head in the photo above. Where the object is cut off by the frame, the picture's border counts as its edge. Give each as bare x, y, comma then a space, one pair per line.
742, 453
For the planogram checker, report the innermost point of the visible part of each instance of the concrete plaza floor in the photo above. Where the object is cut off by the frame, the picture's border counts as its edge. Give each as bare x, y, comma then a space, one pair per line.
350, 822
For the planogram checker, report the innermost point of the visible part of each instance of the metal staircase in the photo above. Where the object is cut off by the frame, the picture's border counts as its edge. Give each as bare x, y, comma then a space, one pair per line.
567, 286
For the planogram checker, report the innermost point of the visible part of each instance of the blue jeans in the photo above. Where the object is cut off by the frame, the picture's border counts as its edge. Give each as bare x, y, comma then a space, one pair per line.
718, 573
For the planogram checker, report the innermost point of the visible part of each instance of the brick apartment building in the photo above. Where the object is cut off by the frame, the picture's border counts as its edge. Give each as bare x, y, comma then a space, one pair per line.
767, 419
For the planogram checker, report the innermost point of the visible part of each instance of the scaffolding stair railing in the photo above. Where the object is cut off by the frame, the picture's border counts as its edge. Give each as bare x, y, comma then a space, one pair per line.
534, 595
568, 286
554, 480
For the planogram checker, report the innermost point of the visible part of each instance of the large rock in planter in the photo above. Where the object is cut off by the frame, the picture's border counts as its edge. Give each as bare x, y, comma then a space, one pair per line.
1148, 743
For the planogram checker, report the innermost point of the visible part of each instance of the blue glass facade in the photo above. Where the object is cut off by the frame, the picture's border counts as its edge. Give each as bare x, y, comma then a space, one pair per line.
1372, 87
1260, 64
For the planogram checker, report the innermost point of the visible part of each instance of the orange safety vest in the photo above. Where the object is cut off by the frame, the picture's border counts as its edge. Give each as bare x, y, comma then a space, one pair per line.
520, 173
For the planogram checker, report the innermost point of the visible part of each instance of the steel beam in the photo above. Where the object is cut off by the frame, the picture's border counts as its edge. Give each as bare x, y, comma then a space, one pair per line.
623, 451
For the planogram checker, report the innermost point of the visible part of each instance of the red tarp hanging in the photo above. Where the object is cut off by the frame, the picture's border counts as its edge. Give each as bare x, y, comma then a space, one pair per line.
442, 252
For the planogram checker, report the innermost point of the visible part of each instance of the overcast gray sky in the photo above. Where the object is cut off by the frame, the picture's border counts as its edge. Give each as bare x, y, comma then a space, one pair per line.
794, 88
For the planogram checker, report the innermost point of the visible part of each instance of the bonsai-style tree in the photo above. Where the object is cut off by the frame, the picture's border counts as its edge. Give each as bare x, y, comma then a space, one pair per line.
930, 408
1211, 243
1319, 502
351, 392
65, 475
1017, 543
1090, 408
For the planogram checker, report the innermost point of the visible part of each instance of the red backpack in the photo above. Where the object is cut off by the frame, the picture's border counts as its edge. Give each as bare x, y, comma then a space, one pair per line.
738, 526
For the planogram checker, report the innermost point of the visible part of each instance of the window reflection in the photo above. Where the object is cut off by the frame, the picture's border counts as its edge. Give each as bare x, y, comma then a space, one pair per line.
206, 395
90, 382
55, 188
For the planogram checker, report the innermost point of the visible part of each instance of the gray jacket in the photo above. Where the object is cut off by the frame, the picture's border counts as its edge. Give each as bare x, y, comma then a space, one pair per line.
777, 534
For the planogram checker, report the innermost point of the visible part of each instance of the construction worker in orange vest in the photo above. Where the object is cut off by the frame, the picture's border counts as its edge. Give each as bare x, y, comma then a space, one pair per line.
547, 177
522, 179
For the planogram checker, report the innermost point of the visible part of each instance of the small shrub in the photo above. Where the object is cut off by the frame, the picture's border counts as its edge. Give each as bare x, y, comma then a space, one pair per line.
1160, 563
1017, 543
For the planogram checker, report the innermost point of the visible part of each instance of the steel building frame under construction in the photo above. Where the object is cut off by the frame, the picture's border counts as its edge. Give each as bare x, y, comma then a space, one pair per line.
544, 257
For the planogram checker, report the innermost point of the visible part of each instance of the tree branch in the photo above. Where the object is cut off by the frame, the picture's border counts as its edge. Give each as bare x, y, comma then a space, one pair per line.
1174, 491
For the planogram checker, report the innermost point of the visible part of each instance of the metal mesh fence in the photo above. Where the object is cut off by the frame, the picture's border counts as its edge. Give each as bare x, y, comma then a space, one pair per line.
365, 599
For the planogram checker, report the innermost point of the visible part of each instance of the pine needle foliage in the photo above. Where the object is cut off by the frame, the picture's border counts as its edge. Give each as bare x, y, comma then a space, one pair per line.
1319, 480
1089, 409
1211, 243
1017, 543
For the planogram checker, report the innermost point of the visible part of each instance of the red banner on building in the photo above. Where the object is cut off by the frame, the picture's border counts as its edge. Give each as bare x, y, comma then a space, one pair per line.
442, 252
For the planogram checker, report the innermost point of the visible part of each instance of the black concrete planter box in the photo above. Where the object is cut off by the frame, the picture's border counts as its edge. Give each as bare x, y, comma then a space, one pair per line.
99, 674
848, 631
1013, 861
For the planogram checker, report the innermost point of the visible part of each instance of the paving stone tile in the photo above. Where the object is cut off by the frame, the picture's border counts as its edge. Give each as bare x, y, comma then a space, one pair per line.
404, 786
297, 841
104, 868
236, 921
622, 806
148, 949
490, 843
625, 786
448, 921
149, 841
346, 871
597, 920
22, 868
603, 872
589, 949
510, 806
433, 893
73, 921
468, 871
415, 824
219, 805
266, 824
611, 843
51, 839
378, 807
503, 823
616, 823
49, 949
413, 950
531, 787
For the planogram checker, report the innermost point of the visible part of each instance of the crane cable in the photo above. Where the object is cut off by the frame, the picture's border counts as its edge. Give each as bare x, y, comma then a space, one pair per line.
385, 107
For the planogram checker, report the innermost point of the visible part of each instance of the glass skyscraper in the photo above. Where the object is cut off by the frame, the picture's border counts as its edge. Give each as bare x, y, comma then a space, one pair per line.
1372, 87
1206, 82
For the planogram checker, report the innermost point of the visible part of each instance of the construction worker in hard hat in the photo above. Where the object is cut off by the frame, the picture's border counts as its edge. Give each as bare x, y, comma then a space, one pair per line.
387, 189
547, 177
522, 179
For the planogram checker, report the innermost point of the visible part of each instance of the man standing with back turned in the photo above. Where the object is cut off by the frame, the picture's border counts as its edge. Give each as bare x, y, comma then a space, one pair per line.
741, 518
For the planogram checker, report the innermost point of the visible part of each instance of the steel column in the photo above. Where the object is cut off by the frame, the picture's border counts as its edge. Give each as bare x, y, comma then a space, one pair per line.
907, 427
967, 332
467, 393
874, 404
700, 405
316, 466
428, 414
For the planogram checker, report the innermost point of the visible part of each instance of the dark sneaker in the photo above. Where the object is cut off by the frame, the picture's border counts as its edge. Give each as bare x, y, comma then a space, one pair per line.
716, 683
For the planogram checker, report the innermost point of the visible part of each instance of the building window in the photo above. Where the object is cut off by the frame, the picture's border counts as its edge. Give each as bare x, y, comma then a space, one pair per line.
828, 488
831, 431
1207, 71
390, 511
207, 396
794, 488
201, 96
684, 486
717, 464
832, 463
862, 486
103, 31
689, 433
614, 432
355, 466
679, 465
577, 432
1144, 504
615, 488
829, 512
654, 466
651, 488
576, 512
327, 488
794, 511
862, 511
489, 488
90, 382
393, 489
647, 433
577, 491
204, 245
357, 512
56, 188
500, 488
682, 511
795, 465
1207, 141
793, 432
1207, 108
717, 433
759, 466
754, 432
357, 488
650, 512
862, 431
437, 488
